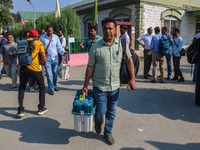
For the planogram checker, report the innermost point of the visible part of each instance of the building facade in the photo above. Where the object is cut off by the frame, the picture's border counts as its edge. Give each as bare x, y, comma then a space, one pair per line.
182, 14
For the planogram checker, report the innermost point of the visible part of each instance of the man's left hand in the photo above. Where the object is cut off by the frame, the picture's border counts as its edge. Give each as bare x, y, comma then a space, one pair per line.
132, 84
11, 54
63, 57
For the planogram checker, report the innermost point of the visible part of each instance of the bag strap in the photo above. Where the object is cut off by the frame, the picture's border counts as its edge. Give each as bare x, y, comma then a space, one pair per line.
35, 56
175, 43
48, 45
123, 44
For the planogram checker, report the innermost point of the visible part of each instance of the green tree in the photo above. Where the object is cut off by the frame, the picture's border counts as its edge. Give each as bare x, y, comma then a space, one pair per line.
69, 23
5, 14
19, 31
41, 23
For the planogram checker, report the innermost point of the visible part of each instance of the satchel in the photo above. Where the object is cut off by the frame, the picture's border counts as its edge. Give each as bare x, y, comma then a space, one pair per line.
64, 70
124, 73
182, 52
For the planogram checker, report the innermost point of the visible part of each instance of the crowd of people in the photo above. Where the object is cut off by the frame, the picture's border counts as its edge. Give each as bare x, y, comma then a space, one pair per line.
105, 58
47, 46
151, 45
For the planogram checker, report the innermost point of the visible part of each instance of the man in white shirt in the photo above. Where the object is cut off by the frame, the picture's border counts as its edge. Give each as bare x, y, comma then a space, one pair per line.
146, 38
63, 43
124, 34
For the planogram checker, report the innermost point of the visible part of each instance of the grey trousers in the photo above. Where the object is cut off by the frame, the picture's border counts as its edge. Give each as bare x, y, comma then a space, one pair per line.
147, 62
11, 71
1, 66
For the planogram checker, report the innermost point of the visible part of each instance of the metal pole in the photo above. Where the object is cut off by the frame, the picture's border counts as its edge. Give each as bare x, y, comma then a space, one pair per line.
33, 12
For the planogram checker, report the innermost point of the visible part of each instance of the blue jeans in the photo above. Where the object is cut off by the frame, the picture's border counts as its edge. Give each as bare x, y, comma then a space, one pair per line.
106, 104
195, 73
169, 65
51, 66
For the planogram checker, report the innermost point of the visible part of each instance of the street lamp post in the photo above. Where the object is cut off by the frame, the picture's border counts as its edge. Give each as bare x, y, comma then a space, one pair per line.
33, 11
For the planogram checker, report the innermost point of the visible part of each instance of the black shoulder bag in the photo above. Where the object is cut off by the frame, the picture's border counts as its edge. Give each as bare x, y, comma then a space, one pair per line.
124, 73
182, 52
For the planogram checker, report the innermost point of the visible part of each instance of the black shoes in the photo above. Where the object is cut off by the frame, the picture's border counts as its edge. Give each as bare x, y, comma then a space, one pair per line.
56, 89
174, 78
153, 81
97, 129
42, 111
20, 114
181, 79
147, 76
51, 92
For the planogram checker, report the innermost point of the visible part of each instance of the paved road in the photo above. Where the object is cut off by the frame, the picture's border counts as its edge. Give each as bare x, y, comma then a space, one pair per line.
165, 112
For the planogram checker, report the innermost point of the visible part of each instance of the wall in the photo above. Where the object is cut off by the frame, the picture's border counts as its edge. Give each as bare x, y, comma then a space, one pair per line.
153, 16
188, 28
102, 15
175, 3
78, 59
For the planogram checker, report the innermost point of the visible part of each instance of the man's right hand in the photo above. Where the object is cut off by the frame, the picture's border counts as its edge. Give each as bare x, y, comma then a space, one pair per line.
0, 60
85, 90
81, 44
143, 46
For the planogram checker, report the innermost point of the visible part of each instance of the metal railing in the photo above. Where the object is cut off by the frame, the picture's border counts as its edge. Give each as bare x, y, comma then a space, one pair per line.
136, 44
75, 46
76, 49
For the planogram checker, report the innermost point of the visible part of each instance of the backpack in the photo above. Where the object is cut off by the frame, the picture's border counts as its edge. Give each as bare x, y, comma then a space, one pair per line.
164, 46
193, 52
24, 51
124, 73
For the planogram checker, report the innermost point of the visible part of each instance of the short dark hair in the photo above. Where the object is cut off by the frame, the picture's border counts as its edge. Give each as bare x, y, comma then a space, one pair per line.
106, 20
49, 26
176, 30
8, 33
61, 30
149, 28
93, 27
26, 32
123, 27
165, 28
157, 29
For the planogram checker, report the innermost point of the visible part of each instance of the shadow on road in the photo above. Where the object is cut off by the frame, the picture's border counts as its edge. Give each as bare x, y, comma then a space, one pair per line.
5, 87
73, 82
172, 146
42, 130
129, 148
171, 104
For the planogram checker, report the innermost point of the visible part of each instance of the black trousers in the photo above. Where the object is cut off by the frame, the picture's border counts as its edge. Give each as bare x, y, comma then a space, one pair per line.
147, 62
25, 73
197, 92
59, 58
177, 70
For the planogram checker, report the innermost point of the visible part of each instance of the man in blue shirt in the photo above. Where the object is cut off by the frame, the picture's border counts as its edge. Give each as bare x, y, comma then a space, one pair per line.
157, 57
168, 56
52, 47
176, 48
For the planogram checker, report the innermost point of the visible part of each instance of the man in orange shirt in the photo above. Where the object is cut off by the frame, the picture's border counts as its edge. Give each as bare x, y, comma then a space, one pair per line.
33, 70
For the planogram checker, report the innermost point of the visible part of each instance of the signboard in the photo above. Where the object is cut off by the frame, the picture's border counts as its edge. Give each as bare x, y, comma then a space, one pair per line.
133, 30
71, 40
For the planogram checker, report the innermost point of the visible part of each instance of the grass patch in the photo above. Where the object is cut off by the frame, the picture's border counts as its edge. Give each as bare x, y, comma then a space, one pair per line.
141, 58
